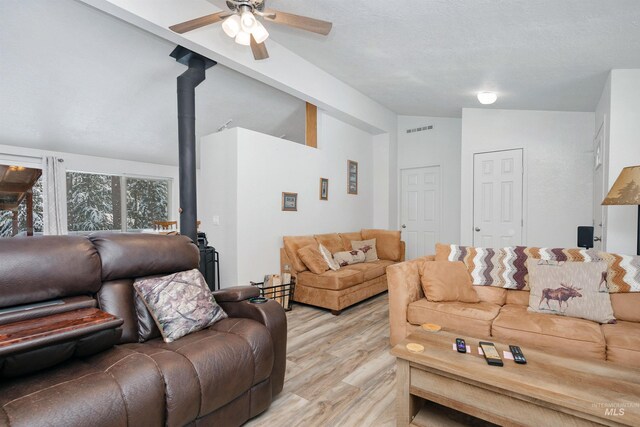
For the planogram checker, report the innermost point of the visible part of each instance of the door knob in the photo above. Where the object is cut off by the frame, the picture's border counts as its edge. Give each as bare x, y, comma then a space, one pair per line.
404, 226
477, 228
596, 239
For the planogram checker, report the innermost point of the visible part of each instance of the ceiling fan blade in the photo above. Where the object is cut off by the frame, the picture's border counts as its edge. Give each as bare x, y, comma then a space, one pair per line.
199, 22
259, 50
298, 21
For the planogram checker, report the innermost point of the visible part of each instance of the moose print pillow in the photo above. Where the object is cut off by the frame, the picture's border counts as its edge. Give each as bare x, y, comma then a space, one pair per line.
574, 289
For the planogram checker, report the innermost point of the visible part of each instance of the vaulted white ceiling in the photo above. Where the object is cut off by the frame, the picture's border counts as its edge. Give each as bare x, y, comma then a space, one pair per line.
74, 79
430, 57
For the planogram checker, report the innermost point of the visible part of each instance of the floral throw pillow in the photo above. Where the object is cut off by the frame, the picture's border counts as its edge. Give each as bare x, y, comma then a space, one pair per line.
349, 257
180, 303
567, 288
368, 247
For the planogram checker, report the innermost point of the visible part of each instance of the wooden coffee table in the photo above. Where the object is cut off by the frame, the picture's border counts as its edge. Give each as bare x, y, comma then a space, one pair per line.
548, 391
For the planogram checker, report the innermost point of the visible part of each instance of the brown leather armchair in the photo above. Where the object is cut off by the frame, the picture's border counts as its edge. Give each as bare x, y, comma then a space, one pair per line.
127, 375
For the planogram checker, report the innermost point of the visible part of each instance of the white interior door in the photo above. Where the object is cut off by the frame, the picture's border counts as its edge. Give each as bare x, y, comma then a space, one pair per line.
420, 210
497, 199
599, 190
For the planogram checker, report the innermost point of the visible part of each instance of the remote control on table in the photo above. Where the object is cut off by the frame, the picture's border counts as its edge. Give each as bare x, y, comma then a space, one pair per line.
518, 357
461, 346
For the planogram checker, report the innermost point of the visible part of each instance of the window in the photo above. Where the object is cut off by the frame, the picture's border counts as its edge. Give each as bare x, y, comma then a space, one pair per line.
111, 202
9, 194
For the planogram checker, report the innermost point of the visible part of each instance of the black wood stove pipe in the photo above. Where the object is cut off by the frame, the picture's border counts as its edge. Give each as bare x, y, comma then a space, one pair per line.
187, 83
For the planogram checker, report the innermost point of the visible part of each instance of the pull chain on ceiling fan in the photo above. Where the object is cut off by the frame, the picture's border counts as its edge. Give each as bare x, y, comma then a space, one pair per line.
241, 24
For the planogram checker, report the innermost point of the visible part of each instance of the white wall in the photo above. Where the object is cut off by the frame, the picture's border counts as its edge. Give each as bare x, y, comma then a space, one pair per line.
382, 205
624, 150
558, 175
438, 146
104, 165
264, 167
218, 196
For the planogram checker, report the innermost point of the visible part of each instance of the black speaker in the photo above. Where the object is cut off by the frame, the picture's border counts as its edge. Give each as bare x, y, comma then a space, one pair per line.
585, 237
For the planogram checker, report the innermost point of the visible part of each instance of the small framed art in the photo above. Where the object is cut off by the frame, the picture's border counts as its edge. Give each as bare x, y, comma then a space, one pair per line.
352, 177
290, 202
324, 189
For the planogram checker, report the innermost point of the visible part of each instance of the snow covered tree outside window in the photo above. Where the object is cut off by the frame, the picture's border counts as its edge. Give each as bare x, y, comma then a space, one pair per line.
89, 202
147, 201
6, 217
94, 202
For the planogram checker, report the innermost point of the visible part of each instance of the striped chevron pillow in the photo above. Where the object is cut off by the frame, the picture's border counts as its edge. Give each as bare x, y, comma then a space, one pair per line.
507, 267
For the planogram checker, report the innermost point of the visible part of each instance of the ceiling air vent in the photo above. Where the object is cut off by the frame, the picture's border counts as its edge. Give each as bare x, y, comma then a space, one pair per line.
419, 129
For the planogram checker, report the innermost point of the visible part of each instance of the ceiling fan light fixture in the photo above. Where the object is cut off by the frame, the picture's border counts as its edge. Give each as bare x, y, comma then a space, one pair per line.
243, 38
232, 26
487, 98
260, 33
248, 21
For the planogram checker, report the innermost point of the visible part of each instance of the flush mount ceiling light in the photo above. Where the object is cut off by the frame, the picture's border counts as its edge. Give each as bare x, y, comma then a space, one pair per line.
241, 24
487, 98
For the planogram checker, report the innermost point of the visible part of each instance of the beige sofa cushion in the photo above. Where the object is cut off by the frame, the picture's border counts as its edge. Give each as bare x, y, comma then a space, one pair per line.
556, 334
331, 241
371, 270
517, 297
333, 280
291, 246
468, 318
347, 238
387, 243
447, 281
626, 306
492, 294
313, 259
623, 342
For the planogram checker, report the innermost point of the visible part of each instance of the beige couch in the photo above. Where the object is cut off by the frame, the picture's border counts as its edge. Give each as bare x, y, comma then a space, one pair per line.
502, 315
336, 290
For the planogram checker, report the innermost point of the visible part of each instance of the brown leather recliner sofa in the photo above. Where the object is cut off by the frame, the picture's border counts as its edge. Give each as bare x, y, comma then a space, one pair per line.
127, 375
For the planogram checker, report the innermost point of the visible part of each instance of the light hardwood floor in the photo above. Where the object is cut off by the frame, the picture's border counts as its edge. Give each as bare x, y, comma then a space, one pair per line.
339, 369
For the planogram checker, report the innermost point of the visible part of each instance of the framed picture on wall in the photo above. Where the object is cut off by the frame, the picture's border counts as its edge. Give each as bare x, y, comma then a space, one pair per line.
352, 177
290, 202
324, 189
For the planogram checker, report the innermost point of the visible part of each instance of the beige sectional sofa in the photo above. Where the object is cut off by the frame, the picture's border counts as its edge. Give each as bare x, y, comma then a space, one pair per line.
502, 315
336, 290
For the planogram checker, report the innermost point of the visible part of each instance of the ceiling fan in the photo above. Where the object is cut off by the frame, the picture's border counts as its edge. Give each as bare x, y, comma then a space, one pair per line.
241, 23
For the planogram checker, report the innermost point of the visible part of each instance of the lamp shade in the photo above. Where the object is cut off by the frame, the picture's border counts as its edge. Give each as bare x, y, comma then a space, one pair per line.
626, 189
243, 38
259, 32
232, 26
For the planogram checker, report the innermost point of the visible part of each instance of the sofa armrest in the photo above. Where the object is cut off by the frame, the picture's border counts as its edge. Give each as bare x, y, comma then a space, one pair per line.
404, 288
272, 316
236, 293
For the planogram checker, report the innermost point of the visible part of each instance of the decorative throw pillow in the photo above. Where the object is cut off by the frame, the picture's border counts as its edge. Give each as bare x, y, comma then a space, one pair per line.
349, 257
447, 281
567, 288
313, 259
180, 303
388, 243
368, 247
328, 258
